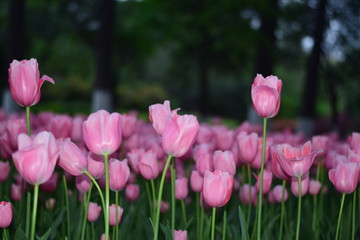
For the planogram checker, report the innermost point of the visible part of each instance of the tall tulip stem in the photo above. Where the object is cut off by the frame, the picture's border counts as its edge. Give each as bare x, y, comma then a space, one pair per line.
259, 204
33, 223
173, 203
213, 223
282, 213
67, 207
107, 196
340, 213
299, 209
353, 216
28, 121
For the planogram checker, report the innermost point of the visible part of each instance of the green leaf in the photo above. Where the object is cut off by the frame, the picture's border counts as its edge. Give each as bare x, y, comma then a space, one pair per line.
244, 232
46, 235
167, 231
56, 224
20, 235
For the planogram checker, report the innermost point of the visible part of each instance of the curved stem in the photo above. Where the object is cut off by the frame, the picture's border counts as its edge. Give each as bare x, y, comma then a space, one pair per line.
107, 195
213, 223
282, 209
259, 204
183, 209
339, 219
153, 198
224, 226
150, 200
173, 203
157, 215
353, 216
98, 188
28, 121
86, 206
33, 223
67, 207
299, 209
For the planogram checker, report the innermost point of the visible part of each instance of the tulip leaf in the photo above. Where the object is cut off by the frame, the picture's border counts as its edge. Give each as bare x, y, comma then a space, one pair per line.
46, 235
189, 223
270, 225
20, 235
244, 232
167, 231
56, 224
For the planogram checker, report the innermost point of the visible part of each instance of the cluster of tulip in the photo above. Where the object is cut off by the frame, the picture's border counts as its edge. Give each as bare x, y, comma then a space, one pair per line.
121, 154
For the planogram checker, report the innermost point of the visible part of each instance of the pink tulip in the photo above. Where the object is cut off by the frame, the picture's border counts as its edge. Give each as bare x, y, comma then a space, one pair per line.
112, 214
202, 157
277, 193
132, 192
25, 82
245, 192
16, 192
158, 114
205, 134
224, 161
296, 162
4, 171
148, 165
93, 212
267, 180
5, 148
320, 143
102, 132
128, 124
6, 213
83, 183
61, 126
51, 184
180, 234
276, 167
50, 203
265, 95
217, 188
345, 177
96, 165
13, 128
304, 185
76, 131
257, 161
36, 158
355, 142
164, 206
224, 137
134, 157
181, 188
196, 181
119, 174
72, 159
314, 187
248, 146
179, 134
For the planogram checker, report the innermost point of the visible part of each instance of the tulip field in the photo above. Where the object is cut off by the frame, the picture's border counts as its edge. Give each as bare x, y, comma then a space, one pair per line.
117, 176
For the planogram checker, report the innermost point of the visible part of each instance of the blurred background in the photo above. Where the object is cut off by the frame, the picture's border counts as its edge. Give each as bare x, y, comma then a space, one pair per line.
201, 54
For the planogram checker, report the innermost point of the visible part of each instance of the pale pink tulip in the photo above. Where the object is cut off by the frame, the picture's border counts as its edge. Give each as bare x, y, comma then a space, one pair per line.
6, 213
16, 192
128, 124
277, 193
76, 131
148, 165
134, 157
345, 177
180, 234
203, 158
112, 214
224, 161
4, 171
245, 192
14, 128
93, 212
96, 165
224, 137
196, 181
181, 188
72, 159
314, 187
83, 183
248, 146
305, 181
267, 180
132, 192
217, 188
158, 114
119, 174
61, 126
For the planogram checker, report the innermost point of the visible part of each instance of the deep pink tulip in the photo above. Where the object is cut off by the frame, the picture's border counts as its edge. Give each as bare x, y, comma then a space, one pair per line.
5, 148
51, 184
25, 82
61, 126
93, 212
179, 134
158, 114
4, 171
314, 187
83, 183
345, 177
119, 174
36, 158
128, 125
96, 166
203, 158
50, 203
148, 165
244, 194
102, 132
180, 234
224, 161
13, 128
265, 95
277, 193
196, 181
224, 137
6, 213
16, 192
248, 146
72, 159
267, 180
112, 214
305, 181
132, 192
134, 157
181, 188
217, 188
296, 162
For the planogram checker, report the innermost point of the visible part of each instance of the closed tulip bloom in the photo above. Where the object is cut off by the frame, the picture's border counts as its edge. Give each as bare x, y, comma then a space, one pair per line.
320, 143
355, 142
265, 95
83, 183
245, 192
25, 82
277, 193
96, 165
132, 192
276, 167
72, 159
128, 125
14, 128
257, 161
267, 180
102, 132
314, 187
6, 213
217, 188
345, 177
224, 137
248, 146
158, 114
296, 162
148, 165
4, 171
180, 234
205, 134
5, 148
181, 188
93, 212
196, 181
76, 131
133, 156
203, 158
119, 174
112, 214
16, 192
304, 185
36, 158
164, 206
224, 161
61, 126
179, 134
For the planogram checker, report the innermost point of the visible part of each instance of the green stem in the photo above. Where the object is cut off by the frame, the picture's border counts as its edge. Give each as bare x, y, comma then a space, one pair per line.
259, 204
201, 222
6, 234
250, 197
197, 215
93, 230
157, 216
28, 208
213, 223
339, 219
28, 121
33, 223
173, 203
86, 206
150, 200
183, 213
353, 216
224, 226
282, 209
117, 214
107, 195
67, 207
299, 209
153, 198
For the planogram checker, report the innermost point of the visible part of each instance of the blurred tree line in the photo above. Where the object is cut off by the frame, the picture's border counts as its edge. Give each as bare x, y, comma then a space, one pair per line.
201, 54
